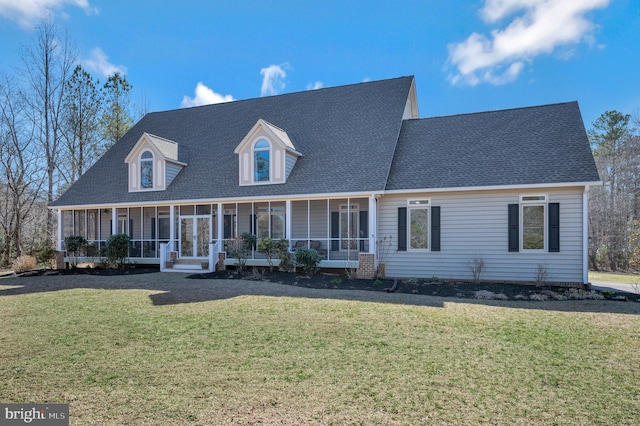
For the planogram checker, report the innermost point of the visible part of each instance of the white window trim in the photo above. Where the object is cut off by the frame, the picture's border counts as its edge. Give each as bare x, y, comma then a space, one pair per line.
421, 204
253, 160
543, 200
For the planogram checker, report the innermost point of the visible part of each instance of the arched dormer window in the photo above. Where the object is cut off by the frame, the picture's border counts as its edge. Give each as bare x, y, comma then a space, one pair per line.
261, 161
146, 170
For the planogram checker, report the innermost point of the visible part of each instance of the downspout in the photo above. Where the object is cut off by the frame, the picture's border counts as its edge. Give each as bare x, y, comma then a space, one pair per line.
585, 235
60, 231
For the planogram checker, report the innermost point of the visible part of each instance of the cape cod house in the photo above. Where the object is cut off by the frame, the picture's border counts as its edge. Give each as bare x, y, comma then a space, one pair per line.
340, 170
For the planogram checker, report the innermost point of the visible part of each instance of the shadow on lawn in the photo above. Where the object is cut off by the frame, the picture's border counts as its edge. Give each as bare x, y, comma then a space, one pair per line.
175, 288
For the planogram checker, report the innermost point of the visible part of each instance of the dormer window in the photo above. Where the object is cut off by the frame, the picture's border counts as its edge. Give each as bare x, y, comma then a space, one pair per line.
146, 170
153, 163
261, 161
266, 155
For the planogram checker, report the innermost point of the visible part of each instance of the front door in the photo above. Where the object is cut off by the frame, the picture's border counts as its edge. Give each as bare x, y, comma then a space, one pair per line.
195, 234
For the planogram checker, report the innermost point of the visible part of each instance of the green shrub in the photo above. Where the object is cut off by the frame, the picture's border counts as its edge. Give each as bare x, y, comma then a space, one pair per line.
240, 248
73, 244
308, 259
281, 250
46, 256
267, 247
117, 249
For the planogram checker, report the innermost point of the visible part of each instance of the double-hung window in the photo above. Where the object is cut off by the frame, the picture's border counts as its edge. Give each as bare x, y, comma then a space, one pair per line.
418, 224
534, 224
533, 211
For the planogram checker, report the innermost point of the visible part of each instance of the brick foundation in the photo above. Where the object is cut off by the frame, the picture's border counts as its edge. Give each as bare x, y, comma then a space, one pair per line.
59, 261
220, 266
366, 265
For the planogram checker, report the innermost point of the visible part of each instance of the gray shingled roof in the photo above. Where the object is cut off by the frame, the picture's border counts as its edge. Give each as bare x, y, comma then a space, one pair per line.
536, 145
346, 134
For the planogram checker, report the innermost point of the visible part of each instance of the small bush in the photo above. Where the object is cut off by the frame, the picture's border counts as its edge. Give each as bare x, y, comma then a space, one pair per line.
74, 244
275, 248
46, 256
240, 249
24, 263
308, 259
477, 266
281, 250
542, 274
117, 249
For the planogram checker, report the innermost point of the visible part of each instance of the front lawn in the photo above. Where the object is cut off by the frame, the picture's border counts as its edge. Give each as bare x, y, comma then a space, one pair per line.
117, 358
611, 277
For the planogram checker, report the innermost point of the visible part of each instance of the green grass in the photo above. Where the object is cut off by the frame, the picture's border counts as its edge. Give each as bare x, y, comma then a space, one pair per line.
118, 359
610, 277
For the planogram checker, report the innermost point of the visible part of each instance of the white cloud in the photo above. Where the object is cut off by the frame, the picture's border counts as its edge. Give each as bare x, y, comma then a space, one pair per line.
28, 12
99, 63
539, 27
315, 86
273, 79
204, 96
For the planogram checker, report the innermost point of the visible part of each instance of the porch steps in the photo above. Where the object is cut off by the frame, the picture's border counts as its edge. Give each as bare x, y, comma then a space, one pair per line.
188, 265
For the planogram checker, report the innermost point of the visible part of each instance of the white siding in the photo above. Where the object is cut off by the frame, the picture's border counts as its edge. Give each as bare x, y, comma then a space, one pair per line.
475, 224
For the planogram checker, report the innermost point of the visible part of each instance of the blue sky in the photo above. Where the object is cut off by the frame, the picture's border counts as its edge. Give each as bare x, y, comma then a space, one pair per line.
467, 56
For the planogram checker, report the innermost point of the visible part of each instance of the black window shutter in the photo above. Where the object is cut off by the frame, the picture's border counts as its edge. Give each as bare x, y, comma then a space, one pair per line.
253, 227
554, 227
153, 228
131, 229
364, 228
435, 228
402, 229
514, 227
335, 231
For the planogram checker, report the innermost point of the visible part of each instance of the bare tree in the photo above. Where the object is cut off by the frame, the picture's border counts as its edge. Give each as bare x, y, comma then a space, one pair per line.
613, 208
48, 64
21, 181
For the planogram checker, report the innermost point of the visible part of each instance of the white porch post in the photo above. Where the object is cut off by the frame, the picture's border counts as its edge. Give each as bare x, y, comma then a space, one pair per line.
60, 231
373, 224
585, 235
114, 221
287, 219
220, 226
172, 224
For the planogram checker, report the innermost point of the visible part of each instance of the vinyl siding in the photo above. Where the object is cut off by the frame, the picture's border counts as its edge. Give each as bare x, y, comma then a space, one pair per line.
290, 162
476, 224
172, 171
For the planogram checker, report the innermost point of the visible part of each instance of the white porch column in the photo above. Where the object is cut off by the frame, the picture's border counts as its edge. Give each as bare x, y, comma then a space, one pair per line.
373, 224
220, 226
172, 223
287, 219
114, 221
60, 231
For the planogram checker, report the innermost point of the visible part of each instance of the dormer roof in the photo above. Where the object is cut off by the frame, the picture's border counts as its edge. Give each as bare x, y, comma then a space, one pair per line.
166, 148
275, 133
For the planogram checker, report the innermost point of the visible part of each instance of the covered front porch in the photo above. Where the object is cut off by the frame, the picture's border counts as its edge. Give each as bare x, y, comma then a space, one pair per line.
200, 234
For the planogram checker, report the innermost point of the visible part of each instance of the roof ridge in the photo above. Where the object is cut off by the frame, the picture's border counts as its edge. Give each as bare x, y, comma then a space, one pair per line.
493, 111
285, 94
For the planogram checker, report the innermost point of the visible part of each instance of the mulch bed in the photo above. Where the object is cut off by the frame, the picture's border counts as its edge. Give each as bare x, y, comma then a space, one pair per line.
442, 288
430, 287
